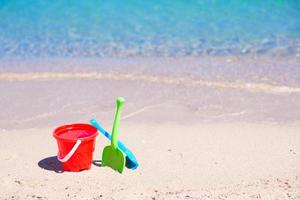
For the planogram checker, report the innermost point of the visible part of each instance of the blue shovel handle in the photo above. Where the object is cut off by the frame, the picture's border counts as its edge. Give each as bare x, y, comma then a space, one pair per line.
131, 161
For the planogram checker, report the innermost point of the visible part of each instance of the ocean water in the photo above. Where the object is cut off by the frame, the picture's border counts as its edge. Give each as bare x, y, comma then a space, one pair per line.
115, 28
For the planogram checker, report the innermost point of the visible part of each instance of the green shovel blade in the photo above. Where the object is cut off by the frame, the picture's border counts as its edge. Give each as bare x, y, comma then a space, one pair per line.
113, 158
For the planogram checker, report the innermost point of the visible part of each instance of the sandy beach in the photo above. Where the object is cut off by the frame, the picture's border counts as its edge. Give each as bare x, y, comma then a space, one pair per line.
194, 138
195, 161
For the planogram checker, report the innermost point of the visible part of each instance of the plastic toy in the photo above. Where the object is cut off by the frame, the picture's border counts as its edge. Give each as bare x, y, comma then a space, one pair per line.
112, 156
131, 162
76, 144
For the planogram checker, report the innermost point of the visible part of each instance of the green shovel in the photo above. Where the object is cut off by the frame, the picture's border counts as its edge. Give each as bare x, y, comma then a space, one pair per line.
112, 156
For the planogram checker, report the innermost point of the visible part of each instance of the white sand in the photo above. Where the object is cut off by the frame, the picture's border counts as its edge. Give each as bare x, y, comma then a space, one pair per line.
199, 161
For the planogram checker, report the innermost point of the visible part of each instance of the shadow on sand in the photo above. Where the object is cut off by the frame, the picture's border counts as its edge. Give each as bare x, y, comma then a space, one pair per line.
53, 164
97, 163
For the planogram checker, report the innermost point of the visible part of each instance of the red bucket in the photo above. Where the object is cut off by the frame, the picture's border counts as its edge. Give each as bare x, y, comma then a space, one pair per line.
76, 144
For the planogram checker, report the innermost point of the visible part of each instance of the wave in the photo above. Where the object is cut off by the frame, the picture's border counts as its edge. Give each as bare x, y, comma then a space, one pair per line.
244, 86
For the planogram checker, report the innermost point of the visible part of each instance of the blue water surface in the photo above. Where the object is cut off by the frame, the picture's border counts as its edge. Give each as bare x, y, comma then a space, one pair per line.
114, 28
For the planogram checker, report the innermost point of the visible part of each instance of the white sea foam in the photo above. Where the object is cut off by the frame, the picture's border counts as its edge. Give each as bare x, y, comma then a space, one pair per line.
245, 86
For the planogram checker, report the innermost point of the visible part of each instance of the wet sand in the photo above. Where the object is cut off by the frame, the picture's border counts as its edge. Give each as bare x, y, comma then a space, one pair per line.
43, 103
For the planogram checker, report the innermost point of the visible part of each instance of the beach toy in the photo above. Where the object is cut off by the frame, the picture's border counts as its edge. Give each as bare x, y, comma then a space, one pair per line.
112, 156
76, 144
131, 162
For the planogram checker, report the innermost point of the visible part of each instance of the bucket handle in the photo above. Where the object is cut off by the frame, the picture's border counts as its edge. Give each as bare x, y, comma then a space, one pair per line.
70, 154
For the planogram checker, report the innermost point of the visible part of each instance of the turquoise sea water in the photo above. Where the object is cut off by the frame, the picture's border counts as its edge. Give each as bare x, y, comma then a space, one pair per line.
114, 28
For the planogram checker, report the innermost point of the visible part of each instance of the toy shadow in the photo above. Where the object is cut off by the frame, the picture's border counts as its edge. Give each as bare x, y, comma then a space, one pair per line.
97, 163
53, 164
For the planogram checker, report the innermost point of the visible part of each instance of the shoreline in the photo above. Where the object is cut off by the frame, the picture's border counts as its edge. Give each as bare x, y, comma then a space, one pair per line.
56, 76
